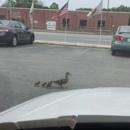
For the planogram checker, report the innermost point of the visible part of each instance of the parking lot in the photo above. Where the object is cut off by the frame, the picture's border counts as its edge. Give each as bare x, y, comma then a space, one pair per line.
24, 65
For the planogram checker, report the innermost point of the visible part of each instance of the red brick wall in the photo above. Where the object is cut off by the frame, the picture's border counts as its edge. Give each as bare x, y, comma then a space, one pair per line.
42, 16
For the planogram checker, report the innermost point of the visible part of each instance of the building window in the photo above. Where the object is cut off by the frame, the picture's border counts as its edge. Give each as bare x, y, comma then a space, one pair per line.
102, 25
66, 21
2, 17
83, 24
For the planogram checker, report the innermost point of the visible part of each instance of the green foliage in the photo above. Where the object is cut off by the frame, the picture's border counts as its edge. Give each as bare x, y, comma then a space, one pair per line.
46, 7
88, 9
26, 3
54, 6
121, 8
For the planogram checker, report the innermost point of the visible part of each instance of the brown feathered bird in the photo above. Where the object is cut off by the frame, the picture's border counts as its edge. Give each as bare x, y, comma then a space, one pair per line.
43, 84
60, 82
37, 84
49, 84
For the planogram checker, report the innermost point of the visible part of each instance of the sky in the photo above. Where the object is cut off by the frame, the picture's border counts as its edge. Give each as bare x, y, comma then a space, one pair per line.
74, 4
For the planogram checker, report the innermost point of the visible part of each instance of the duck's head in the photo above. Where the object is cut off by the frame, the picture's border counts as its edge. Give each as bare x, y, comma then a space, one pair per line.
67, 73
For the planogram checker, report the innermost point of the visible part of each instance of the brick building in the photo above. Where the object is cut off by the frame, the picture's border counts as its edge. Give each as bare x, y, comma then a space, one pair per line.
77, 20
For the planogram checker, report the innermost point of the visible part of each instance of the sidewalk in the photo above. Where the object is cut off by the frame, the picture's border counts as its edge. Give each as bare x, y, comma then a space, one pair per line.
73, 44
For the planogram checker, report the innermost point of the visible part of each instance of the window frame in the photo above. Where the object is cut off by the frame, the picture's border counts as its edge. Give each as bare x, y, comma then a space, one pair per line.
103, 24
21, 24
64, 23
17, 26
83, 27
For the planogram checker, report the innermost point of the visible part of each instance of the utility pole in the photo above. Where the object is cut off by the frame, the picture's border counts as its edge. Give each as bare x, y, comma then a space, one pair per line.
10, 9
108, 6
107, 14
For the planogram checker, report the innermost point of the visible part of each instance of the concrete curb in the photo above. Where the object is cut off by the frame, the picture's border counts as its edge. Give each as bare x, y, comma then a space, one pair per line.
72, 32
73, 44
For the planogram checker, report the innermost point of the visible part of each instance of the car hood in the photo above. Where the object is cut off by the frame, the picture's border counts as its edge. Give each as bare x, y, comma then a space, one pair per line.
96, 101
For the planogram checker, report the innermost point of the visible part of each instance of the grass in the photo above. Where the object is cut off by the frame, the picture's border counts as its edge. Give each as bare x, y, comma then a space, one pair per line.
73, 45
70, 31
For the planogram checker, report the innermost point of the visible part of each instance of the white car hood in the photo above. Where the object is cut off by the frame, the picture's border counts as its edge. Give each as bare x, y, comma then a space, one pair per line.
97, 101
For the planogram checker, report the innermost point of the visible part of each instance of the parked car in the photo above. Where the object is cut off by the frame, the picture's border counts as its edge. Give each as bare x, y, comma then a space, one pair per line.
121, 40
14, 32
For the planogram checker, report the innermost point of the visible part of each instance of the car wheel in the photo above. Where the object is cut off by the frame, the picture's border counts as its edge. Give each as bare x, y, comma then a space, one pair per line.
31, 40
113, 52
14, 41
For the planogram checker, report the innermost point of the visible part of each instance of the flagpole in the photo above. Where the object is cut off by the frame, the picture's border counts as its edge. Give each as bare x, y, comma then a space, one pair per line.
101, 28
10, 9
32, 15
66, 27
66, 24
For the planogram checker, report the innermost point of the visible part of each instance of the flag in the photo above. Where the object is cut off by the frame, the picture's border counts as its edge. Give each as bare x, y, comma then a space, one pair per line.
95, 11
62, 11
31, 12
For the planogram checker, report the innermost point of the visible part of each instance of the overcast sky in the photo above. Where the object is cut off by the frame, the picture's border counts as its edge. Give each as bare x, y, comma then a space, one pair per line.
74, 4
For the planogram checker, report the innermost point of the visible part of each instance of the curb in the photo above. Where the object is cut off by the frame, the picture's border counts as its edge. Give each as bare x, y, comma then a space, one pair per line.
69, 32
73, 44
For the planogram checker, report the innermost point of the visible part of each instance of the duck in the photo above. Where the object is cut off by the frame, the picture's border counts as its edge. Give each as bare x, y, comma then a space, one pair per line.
49, 84
37, 84
60, 82
43, 84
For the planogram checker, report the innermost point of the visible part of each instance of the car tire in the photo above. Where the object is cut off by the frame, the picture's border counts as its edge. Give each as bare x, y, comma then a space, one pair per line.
31, 40
113, 52
14, 41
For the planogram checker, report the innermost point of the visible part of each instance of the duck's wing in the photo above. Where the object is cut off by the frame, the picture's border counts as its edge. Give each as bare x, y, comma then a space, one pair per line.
60, 81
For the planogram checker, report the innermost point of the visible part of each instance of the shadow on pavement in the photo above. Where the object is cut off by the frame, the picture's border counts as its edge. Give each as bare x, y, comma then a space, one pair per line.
4, 45
123, 54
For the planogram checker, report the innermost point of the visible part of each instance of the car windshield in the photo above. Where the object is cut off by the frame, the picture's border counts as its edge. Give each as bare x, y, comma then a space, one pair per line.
124, 29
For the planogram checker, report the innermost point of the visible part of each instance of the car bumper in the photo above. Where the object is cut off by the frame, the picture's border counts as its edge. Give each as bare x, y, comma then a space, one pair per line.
124, 46
5, 38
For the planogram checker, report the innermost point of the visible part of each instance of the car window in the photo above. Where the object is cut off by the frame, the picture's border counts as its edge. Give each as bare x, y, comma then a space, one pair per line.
17, 25
124, 29
22, 25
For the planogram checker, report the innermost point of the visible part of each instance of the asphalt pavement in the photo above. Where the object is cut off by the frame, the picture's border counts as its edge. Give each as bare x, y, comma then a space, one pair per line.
74, 38
24, 65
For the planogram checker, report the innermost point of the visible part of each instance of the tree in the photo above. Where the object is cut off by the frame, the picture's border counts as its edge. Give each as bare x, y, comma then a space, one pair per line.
121, 8
26, 3
54, 6
8, 2
87, 9
46, 7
